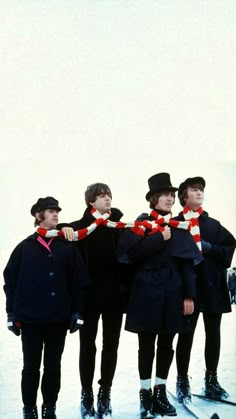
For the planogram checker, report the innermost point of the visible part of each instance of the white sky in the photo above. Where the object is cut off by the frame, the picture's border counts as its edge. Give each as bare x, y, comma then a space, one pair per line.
114, 91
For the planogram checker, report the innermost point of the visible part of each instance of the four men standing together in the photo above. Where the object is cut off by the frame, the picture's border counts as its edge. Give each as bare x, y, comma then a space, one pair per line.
52, 284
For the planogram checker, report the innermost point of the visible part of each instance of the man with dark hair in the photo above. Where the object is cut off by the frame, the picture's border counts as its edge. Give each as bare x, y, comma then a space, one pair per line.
45, 286
162, 292
217, 246
105, 297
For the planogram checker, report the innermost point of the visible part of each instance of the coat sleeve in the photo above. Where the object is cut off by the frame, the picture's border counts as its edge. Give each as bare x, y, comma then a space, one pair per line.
79, 282
189, 278
10, 275
132, 247
223, 249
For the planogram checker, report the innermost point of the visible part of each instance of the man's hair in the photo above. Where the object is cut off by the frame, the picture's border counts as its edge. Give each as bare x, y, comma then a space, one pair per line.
95, 190
153, 200
183, 196
40, 218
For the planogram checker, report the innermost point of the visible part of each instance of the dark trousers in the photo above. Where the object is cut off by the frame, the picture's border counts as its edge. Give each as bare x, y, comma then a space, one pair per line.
212, 323
232, 296
146, 353
111, 326
35, 339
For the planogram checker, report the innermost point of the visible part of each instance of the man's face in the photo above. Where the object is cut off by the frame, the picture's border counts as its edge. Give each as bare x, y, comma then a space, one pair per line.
195, 197
165, 201
102, 203
50, 219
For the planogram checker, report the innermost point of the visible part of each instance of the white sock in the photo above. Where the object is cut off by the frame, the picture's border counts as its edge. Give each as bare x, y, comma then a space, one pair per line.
146, 384
160, 381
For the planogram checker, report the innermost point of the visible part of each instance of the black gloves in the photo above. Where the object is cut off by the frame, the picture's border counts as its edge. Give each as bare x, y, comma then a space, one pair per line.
76, 322
12, 325
206, 246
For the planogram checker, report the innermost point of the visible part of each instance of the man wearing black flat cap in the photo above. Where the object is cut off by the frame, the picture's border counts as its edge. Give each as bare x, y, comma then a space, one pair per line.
45, 286
162, 293
45, 203
217, 246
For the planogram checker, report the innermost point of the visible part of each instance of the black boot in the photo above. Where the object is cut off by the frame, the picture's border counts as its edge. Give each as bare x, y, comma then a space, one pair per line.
104, 401
49, 411
183, 391
145, 403
213, 389
161, 404
30, 412
86, 406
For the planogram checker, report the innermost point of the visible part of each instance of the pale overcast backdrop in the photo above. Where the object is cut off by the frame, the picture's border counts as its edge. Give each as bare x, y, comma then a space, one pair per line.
114, 91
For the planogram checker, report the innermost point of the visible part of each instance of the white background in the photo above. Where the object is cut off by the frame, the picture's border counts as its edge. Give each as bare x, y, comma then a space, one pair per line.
114, 91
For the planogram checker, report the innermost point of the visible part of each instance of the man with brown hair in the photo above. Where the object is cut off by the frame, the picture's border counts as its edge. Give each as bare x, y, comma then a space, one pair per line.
105, 298
217, 246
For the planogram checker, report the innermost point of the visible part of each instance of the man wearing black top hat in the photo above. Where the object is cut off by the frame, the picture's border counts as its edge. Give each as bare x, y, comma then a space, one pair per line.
217, 247
45, 286
162, 293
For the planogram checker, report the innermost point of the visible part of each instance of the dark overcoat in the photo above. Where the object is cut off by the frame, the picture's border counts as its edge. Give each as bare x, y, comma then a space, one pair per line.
107, 285
163, 277
212, 290
43, 286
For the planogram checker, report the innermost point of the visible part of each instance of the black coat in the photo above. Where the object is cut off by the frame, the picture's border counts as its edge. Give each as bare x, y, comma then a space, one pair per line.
107, 287
212, 290
44, 287
164, 277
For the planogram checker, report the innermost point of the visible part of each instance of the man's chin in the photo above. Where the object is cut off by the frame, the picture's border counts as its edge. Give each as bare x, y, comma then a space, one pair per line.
52, 227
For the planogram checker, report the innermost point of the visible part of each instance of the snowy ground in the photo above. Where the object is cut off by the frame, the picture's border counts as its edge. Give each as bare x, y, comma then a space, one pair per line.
126, 383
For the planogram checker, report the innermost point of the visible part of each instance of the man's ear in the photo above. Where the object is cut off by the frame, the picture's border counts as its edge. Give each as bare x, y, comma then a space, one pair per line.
92, 203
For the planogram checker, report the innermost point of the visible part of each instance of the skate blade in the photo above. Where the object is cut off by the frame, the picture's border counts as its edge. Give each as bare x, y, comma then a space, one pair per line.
186, 400
149, 415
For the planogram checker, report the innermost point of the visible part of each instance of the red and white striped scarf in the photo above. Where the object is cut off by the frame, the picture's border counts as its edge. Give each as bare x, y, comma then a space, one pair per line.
137, 227
156, 224
100, 219
194, 230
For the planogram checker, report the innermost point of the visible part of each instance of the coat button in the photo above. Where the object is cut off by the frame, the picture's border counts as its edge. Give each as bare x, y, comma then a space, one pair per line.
51, 273
50, 255
53, 294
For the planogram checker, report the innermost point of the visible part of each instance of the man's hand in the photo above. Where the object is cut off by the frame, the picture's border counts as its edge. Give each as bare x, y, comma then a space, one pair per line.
76, 322
68, 233
166, 233
12, 325
206, 247
188, 306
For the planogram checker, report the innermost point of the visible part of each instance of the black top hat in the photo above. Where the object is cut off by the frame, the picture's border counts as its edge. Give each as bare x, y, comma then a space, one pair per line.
191, 181
158, 183
44, 203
